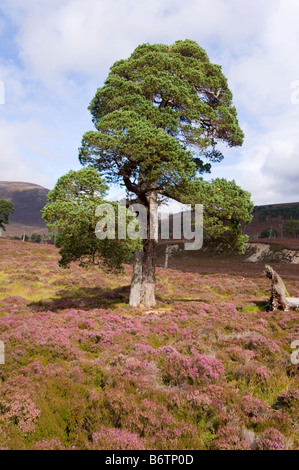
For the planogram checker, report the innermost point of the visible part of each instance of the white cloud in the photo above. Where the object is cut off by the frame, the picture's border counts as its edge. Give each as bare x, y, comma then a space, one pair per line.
24, 154
85, 36
268, 166
262, 83
66, 49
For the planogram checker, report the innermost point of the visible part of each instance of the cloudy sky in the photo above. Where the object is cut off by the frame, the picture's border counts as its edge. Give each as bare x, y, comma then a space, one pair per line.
54, 54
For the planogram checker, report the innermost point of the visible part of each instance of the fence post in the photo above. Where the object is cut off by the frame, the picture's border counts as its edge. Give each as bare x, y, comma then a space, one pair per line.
2, 353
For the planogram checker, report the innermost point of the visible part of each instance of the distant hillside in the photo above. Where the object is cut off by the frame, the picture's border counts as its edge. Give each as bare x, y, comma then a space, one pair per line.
275, 218
277, 223
28, 200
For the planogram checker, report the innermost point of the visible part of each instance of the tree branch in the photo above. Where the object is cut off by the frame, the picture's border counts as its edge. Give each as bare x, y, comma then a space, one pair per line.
134, 189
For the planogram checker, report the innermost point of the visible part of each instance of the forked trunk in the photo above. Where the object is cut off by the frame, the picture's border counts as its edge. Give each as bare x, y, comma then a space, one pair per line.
149, 253
143, 279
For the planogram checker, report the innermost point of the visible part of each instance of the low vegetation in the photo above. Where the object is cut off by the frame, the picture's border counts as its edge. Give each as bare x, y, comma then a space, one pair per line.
207, 368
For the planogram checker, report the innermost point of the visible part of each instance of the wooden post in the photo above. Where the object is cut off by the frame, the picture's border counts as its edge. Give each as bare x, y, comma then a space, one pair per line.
2, 353
166, 256
136, 280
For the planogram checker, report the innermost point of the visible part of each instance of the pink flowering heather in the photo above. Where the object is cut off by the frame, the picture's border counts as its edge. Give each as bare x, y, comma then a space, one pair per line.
288, 399
271, 439
194, 369
52, 444
256, 410
230, 438
207, 368
116, 439
262, 375
20, 411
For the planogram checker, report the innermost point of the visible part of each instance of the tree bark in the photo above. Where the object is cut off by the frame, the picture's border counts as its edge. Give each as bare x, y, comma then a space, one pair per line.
279, 299
136, 280
278, 290
293, 302
149, 253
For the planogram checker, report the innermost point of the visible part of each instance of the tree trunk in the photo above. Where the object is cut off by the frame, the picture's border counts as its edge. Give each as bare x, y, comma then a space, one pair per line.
136, 280
148, 274
149, 253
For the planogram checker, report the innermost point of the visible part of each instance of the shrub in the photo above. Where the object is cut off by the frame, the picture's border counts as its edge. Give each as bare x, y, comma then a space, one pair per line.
195, 369
271, 439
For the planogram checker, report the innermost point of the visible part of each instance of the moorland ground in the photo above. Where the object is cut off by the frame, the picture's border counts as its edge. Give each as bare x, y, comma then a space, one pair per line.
207, 368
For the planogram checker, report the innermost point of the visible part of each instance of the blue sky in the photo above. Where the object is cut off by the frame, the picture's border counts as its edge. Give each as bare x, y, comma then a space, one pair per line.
54, 54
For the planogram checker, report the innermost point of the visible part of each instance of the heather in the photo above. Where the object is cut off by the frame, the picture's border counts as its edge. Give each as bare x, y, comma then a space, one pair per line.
208, 368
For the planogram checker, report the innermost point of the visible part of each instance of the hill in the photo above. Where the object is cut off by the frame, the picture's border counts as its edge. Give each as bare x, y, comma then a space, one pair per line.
274, 218
28, 200
280, 244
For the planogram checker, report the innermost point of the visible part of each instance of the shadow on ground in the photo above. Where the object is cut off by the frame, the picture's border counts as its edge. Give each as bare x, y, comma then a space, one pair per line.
85, 299
262, 305
91, 298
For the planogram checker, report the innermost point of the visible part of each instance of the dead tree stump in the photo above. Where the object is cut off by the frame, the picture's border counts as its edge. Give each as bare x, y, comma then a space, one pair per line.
279, 299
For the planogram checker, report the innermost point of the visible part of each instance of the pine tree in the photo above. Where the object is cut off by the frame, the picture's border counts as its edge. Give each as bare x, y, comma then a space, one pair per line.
158, 119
